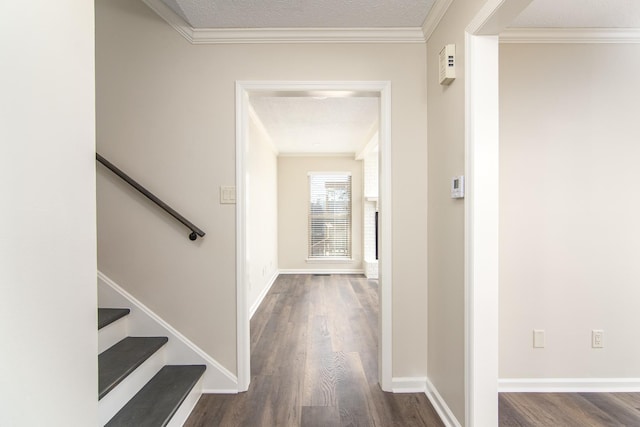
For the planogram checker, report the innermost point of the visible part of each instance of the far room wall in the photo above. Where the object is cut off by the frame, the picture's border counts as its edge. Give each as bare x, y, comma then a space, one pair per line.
569, 230
293, 208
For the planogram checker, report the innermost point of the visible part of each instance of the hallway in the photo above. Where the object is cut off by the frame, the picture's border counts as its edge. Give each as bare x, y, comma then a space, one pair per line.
314, 362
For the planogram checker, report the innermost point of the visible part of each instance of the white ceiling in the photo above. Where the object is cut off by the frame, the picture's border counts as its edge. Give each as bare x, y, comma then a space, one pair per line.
307, 124
301, 13
580, 14
298, 124
211, 14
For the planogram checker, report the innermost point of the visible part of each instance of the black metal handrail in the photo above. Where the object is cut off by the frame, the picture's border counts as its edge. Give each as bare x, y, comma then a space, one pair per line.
195, 231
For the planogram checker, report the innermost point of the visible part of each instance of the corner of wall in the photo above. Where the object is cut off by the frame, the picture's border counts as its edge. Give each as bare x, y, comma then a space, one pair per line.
440, 405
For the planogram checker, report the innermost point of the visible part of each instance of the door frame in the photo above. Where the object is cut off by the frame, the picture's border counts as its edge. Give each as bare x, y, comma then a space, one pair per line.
482, 164
383, 90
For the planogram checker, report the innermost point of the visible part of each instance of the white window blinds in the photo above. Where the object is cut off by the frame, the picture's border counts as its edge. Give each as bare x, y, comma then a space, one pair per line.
330, 215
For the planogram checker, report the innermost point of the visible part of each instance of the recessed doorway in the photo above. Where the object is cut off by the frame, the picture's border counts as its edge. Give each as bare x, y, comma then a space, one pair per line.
245, 91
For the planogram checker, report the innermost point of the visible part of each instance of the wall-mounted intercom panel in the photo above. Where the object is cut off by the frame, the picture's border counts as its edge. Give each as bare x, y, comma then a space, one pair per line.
447, 64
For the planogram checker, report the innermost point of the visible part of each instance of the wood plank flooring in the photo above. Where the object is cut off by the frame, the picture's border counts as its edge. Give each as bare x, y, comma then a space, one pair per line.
569, 409
314, 362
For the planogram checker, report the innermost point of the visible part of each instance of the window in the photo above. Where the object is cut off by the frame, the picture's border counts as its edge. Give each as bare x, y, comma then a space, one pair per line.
330, 215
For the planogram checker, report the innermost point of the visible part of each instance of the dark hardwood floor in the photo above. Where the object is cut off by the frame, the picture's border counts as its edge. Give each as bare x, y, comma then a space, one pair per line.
314, 362
569, 409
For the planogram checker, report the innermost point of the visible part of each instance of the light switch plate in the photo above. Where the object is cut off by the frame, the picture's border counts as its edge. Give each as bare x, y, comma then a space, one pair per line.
457, 187
227, 194
538, 338
597, 338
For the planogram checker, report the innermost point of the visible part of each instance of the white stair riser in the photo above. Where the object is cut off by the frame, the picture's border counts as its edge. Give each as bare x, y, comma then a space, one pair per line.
183, 412
109, 405
112, 334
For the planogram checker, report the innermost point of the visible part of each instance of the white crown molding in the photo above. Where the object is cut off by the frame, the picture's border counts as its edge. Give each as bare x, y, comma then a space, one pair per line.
434, 17
307, 35
172, 18
570, 35
284, 35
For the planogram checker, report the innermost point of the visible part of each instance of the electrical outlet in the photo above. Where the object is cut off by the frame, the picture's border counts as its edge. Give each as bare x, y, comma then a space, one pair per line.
538, 338
597, 338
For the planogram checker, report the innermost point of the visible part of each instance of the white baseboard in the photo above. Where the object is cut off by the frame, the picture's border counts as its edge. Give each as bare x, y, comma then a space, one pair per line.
409, 384
568, 385
441, 407
265, 291
321, 271
179, 350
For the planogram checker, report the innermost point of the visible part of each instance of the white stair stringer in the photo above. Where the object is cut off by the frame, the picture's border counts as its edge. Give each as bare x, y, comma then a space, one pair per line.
113, 401
179, 350
181, 415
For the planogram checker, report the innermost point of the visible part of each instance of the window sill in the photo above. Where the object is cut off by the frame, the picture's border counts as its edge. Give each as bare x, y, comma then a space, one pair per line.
329, 260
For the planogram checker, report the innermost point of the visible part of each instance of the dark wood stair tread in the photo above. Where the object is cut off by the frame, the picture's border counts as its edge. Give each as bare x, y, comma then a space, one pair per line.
160, 398
107, 316
115, 363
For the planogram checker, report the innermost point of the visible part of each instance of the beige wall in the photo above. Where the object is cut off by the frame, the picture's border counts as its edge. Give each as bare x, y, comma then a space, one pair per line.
166, 114
569, 230
446, 121
293, 208
262, 212
48, 294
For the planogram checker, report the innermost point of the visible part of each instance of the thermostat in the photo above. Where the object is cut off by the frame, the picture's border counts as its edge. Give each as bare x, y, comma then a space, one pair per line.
457, 187
447, 64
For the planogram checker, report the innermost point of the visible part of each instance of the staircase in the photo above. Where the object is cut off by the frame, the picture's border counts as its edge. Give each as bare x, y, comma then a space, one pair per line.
135, 387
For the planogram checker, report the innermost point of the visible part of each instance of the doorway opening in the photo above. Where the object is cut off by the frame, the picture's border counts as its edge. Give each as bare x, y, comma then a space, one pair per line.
245, 91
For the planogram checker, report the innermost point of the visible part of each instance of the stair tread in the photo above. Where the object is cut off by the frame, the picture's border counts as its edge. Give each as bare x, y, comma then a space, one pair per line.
106, 316
115, 363
160, 398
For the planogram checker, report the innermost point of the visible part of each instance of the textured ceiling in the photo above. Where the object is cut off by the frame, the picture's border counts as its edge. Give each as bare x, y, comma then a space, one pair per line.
580, 14
222, 14
317, 125
301, 13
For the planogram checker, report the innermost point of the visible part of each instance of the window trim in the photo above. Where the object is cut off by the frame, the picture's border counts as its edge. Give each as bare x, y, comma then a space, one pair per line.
330, 259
